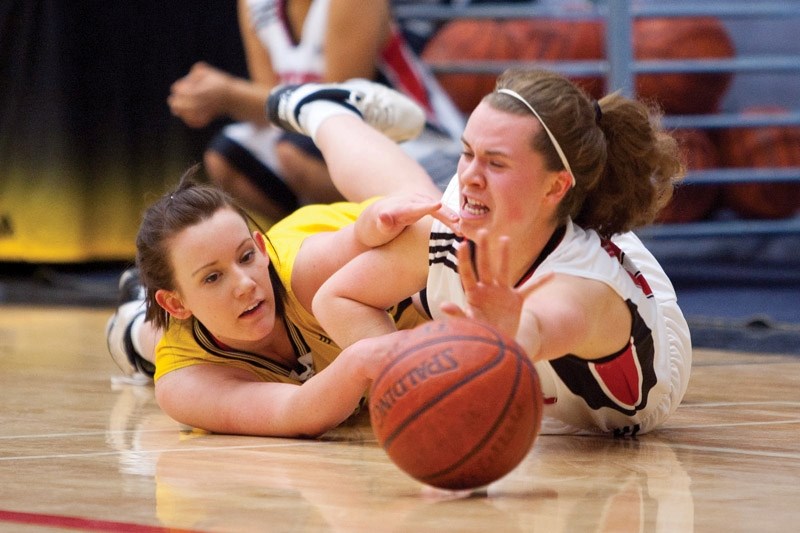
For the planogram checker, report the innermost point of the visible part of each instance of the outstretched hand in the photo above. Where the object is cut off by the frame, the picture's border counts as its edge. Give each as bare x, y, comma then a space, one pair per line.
374, 353
395, 213
489, 289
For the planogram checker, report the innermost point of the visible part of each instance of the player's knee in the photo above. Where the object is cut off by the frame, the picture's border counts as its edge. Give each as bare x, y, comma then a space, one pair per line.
291, 163
302, 172
219, 169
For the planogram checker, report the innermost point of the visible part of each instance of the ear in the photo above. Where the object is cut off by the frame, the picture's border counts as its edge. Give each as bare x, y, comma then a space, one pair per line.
261, 243
560, 186
171, 302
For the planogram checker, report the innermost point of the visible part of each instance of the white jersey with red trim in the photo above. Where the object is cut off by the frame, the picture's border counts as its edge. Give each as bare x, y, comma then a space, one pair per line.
631, 391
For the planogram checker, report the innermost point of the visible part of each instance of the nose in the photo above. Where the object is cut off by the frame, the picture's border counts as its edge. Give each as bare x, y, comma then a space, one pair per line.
470, 173
244, 282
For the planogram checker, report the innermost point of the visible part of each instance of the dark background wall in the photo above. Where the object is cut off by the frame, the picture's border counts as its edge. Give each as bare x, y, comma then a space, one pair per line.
86, 137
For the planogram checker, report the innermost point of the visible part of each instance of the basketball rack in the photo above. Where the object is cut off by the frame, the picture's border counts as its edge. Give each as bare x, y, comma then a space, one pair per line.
620, 68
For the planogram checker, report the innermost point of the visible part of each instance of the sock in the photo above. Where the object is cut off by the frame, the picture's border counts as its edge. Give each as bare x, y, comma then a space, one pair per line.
315, 113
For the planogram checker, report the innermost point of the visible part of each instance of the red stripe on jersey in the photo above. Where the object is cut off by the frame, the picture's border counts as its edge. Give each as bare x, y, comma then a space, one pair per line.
620, 378
301, 76
638, 279
399, 69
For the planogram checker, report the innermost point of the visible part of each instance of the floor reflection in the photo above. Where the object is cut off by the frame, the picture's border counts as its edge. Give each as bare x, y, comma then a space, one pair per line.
345, 482
602, 484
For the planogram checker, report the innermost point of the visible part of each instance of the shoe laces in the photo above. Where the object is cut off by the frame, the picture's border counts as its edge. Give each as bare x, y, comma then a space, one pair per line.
372, 109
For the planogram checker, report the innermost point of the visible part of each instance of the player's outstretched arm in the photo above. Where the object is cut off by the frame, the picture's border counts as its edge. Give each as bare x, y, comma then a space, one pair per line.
230, 400
364, 163
383, 220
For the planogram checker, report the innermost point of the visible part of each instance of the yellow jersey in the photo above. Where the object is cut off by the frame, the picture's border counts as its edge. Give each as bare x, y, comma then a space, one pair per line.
188, 342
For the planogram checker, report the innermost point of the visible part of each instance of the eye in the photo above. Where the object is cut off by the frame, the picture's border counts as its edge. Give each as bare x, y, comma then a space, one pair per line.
466, 154
211, 278
248, 256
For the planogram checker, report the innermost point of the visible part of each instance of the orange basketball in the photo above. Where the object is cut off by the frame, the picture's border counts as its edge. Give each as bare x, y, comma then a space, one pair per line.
693, 202
511, 40
467, 39
770, 146
682, 38
459, 406
560, 40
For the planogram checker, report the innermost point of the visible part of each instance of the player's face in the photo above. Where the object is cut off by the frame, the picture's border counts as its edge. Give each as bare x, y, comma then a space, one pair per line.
222, 278
504, 182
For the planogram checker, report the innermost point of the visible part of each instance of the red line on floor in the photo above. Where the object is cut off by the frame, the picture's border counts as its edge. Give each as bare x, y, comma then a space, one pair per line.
85, 524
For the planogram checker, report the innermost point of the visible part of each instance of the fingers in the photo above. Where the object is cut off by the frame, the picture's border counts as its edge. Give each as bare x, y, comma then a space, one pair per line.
502, 271
406, 210
452, 310
479, 259
180, 100
185, 84
422, 204
492, 259
449, 218
186, 98
465, 269
185, 107
417, 208
489, 263
490, 268
175, 104
200, 66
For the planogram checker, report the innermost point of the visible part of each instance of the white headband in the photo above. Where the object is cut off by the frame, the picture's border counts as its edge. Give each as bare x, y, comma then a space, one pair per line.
557, 146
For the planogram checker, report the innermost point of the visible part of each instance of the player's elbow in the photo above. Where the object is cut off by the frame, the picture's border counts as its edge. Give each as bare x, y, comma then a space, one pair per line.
322, 303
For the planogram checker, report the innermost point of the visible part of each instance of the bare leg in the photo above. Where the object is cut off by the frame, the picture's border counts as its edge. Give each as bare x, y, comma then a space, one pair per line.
306, 175
359, 146
364, 163
237, 185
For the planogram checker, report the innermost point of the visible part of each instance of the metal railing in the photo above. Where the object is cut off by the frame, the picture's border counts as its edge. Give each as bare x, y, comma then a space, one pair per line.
620, 68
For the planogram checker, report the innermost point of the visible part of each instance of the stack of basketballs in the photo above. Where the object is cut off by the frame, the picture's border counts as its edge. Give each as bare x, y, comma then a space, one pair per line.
675, 93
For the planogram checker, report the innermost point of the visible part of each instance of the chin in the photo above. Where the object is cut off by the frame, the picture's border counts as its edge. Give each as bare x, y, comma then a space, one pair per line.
470, 227
263, 329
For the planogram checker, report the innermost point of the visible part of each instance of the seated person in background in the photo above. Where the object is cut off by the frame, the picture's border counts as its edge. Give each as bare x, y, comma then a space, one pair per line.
269, 171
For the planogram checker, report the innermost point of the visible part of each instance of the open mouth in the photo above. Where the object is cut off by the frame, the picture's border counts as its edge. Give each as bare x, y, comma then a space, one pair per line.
252, 309
474, 207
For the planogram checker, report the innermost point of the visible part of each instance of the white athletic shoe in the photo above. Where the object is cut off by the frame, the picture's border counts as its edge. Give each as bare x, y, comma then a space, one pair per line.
118, 329
385, 109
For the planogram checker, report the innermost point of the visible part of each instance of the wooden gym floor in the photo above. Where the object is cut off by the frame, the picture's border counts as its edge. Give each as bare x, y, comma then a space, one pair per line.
80, 452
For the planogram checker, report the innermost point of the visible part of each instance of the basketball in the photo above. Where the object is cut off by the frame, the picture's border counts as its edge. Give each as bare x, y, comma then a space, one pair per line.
459, 406
510, 40
682, 38
693, 202
562, 40
768, 146
469, 40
